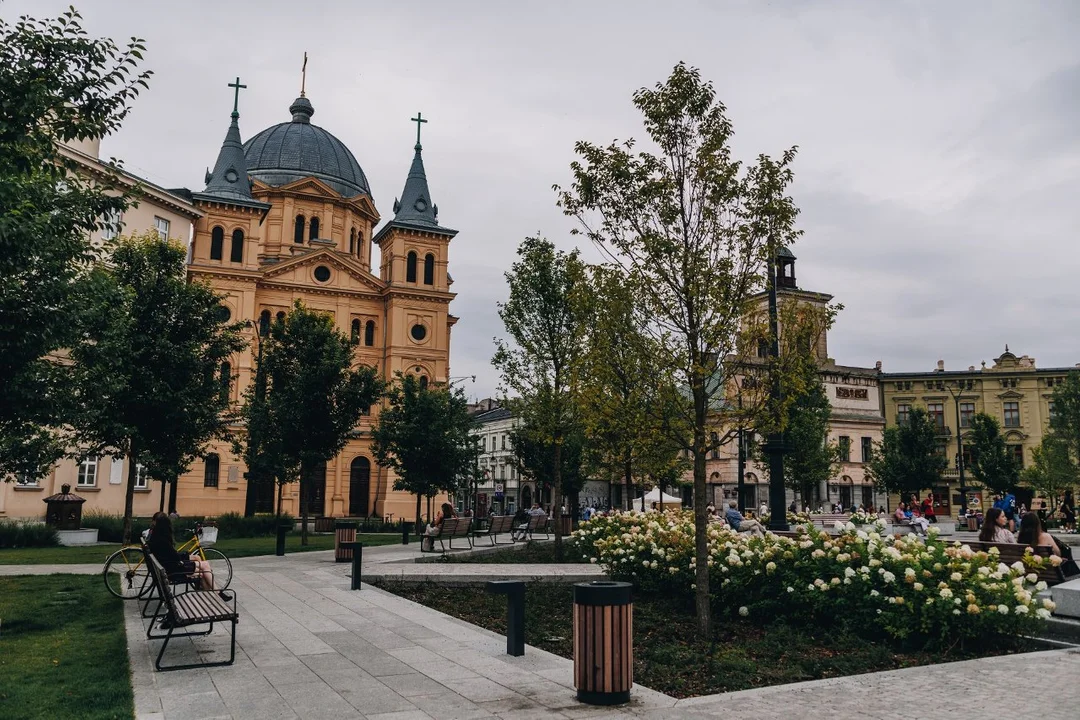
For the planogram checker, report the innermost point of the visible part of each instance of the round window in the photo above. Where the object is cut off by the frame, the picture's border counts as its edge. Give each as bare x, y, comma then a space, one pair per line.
418, 332
231, 175
223, 313
322, 273
420, 205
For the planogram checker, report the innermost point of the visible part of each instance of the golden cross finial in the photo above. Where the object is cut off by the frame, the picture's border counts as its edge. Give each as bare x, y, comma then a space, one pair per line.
303, 76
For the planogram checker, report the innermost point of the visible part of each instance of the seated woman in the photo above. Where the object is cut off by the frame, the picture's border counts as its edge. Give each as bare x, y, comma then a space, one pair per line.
445, 511
163, 547
1032, 533
994, 529
900, 515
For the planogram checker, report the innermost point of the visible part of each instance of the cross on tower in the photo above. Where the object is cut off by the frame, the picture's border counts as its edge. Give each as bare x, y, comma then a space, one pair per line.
418, 119
236, 94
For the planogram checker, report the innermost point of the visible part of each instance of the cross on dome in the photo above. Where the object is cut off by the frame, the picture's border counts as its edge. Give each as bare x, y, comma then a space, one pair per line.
418, 120
236, 95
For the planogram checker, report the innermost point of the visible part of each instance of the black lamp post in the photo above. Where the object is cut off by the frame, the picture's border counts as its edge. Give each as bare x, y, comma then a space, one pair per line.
956, 392
774, 444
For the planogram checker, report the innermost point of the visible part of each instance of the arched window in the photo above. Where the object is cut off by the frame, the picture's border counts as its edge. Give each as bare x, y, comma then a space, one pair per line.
264, 323
369, 333
236, 252
298, 233
226, 379
217, 241
313, 229
429, 269
281, 316
211, 467
355, 332
423, 382
410, 267
359, 243
352, 240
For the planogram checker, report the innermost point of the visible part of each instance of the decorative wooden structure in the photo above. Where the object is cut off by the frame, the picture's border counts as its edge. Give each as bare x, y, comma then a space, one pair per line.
603, 642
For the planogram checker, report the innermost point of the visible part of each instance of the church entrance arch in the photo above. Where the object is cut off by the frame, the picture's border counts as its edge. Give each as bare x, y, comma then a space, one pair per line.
315, 489
359, 487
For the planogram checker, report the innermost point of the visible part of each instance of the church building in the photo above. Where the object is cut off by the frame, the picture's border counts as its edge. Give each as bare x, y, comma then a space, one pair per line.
288, 215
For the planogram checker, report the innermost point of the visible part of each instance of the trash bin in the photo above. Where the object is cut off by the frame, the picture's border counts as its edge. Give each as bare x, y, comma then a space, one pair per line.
344, 537
603, 642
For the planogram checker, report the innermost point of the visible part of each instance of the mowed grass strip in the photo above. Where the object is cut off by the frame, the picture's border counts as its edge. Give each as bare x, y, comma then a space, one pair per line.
232, 547
63, 650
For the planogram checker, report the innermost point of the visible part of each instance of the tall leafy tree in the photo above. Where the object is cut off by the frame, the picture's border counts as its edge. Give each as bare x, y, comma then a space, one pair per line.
1052, 470
424, 435
908, 458
539, 361
991, 462
699, 230
811, 459
56, 84
535, 458
146, 377
314, 398
1065, 419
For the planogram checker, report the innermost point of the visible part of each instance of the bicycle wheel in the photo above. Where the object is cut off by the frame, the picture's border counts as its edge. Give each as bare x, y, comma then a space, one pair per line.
220, 566
127, 573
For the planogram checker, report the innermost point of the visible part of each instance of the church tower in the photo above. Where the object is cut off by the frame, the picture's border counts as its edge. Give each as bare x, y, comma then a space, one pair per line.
414, 249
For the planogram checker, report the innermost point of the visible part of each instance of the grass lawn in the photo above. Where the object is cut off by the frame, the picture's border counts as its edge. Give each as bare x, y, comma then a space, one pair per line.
232, 547
63, 651
670, 656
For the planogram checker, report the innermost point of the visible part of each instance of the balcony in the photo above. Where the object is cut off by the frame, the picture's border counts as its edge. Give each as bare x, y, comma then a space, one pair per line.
943, 431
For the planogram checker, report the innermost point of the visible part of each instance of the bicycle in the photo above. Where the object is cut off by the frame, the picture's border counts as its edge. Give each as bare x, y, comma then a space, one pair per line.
127, 574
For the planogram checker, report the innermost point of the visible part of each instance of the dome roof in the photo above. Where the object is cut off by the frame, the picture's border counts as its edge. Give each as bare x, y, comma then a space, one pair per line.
287, 152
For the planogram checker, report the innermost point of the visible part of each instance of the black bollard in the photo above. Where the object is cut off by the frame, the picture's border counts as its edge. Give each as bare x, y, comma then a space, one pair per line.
281, 531
404, 532
514, 590
357, 560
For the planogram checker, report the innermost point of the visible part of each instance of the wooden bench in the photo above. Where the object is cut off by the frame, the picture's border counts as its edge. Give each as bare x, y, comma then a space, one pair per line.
451, 529
537, 524
198, 607
1011, 552
828, 520
499, 525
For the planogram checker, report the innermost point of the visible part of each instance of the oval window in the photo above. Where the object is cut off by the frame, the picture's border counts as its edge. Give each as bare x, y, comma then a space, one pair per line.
322, 273
418, 332
223, 313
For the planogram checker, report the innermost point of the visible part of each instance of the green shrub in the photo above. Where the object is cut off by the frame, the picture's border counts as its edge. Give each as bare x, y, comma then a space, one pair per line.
110, 526
235, 525
15, 534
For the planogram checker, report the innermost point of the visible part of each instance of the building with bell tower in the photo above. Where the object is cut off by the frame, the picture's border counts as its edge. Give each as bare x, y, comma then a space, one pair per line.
288, 215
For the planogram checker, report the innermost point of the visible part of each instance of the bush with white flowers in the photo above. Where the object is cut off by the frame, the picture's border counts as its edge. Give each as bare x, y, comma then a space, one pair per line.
906, 586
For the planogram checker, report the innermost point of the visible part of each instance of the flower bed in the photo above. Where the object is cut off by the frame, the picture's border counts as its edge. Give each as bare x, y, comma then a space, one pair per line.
925, 591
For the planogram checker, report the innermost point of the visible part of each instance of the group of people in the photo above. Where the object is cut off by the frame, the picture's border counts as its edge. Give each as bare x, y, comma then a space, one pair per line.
998, 528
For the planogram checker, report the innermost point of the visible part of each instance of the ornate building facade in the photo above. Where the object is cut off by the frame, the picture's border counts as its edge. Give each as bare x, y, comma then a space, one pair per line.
288, 215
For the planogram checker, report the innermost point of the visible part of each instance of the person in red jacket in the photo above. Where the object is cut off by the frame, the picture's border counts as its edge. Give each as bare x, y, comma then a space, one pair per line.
928, 509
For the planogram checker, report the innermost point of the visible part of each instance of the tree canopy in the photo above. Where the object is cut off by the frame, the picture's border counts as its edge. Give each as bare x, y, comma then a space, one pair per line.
908, 459
1052, 470
56, 84
991, 464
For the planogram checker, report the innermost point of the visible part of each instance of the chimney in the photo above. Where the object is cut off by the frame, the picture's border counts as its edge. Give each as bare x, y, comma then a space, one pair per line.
940, 366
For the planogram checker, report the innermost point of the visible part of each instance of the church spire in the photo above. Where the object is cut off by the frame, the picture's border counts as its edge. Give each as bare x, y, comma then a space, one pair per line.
229, 179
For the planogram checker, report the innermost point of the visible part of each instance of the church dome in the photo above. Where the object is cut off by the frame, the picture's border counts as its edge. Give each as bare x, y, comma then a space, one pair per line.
287, 152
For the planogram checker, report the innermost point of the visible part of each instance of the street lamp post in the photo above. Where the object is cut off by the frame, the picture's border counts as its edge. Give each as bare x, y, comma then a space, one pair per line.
955, 393
774, 445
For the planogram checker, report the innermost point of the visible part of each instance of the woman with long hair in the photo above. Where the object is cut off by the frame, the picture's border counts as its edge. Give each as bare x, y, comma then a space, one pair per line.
163, 547
994, 527
1032, 533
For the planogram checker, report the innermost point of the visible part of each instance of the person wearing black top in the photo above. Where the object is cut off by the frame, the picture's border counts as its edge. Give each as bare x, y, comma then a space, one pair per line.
163, 547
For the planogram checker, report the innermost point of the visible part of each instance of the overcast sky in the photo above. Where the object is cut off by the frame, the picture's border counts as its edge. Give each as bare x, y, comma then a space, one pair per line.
939, 164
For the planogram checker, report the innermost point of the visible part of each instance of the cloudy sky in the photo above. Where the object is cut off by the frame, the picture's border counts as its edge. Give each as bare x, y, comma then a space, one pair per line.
939, 165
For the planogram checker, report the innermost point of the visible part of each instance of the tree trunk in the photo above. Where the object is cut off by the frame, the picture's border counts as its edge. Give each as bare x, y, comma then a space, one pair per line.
556, 505
628, 470
419, 525
161, 503
303, 506
129, 493
701, 518
172, 494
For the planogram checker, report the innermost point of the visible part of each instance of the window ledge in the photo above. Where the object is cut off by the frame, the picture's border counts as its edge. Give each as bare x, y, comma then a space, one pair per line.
28, 488
87, 489
144, 491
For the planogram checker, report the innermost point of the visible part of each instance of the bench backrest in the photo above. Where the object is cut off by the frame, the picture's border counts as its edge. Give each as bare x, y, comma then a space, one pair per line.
537, 521
161, 579
501, 524
455, 527
1013, 551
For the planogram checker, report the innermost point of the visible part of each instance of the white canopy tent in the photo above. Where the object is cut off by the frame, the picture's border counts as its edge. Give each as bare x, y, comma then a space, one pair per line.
654, 496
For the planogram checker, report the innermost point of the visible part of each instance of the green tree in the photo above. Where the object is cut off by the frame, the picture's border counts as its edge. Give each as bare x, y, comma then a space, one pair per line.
811, 459
700, 231
1065, 418
908, 458
1052, 470
624, 411
991, 462
535, 459
314, 398
146, 379
539, 362
56, 84
424, 435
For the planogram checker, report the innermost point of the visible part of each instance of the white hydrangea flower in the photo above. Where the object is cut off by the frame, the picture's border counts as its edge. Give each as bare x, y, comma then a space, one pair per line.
956, 577
1042, 614
744, 611
1021, 609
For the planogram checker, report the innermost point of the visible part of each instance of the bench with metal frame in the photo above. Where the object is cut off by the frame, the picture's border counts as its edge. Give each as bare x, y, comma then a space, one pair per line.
1009, 553
499, 525
447, 532
183, 610
538, 524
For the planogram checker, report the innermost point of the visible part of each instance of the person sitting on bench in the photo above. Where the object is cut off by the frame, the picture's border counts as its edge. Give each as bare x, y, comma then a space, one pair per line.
736, 520
994, 530
163, 547
446, 511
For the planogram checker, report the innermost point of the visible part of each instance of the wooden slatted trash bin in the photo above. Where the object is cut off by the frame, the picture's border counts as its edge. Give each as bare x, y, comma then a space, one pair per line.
344, 537
603, 642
